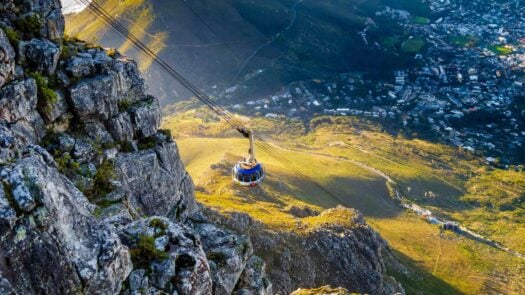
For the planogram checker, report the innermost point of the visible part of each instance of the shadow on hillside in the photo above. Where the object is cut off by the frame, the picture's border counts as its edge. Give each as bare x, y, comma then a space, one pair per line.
369, 196
418, 280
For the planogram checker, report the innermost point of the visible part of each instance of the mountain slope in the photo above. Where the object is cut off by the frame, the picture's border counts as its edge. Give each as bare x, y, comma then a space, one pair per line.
94, 197
362, 166
260, 44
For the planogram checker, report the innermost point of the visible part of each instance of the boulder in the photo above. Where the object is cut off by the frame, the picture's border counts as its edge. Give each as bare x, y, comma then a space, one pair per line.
95, 98
79, 67
7, 213
121, 127
17, 100
7, 59
39, 54
146, 118
55, 110
349, 255
129, 82
49, 14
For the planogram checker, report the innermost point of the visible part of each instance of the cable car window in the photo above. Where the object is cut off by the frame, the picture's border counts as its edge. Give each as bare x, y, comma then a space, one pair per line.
239, 177
254, 177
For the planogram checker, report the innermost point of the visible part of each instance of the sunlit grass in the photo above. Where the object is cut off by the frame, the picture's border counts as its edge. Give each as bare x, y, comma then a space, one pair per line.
331, 154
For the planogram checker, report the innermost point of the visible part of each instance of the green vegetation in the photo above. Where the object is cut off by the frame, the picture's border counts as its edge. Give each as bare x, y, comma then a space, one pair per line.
147, 143
144, 252
443, 262
102, 181
421, 20
66, 164
47, 97
125, 147
464, 40
501, 49
12, 35
124, 105
391, 42
158, 224
413, 45
66, 52
166, 132
30, 25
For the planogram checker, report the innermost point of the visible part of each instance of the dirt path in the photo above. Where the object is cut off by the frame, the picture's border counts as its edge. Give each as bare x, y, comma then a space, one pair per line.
293, 19
414, 207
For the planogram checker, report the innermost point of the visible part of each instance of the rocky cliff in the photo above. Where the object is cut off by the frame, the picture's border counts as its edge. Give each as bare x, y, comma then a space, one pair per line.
346, 254
94, 198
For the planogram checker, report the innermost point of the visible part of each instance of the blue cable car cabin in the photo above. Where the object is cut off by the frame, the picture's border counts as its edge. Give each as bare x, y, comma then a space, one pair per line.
248, 172
248, 175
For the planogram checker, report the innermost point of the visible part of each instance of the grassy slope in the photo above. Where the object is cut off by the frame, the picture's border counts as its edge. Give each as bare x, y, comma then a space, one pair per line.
444, 265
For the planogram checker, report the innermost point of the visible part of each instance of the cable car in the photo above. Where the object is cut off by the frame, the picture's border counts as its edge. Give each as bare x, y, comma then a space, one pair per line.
248, 172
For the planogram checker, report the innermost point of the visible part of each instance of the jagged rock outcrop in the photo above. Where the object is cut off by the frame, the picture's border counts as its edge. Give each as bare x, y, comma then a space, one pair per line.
335, 254
94, 198
168, 258
46, 225
84, 167
228, 255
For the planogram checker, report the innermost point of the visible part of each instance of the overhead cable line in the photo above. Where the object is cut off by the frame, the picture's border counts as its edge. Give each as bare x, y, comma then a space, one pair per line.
219, 110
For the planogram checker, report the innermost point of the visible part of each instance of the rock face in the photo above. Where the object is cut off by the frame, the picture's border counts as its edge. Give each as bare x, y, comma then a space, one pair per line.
343, 256
94, 198
48, 226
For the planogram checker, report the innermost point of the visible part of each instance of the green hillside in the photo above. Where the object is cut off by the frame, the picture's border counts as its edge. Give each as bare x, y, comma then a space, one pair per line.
351, 159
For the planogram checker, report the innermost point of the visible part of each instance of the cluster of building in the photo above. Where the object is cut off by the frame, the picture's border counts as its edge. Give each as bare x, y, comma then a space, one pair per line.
467, 89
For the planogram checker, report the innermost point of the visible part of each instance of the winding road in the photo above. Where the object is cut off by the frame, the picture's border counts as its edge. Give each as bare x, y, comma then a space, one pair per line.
413, 207
293, 19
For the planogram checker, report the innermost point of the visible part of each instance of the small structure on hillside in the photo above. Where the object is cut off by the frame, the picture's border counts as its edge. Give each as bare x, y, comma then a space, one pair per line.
451, 226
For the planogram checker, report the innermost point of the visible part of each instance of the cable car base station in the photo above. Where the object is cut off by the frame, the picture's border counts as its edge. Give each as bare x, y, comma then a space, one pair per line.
248, 172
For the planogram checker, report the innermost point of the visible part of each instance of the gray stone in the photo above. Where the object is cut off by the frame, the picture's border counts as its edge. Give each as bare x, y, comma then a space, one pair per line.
31, 129
83, 151
95, 97
5, 287
40, 55
66, 142
96, 131
22, 193
17, 100
156, 183
129, 82
227, 254
121, 127
184, 269
10, 144
7, 213
49, 13
59, 245
146, 118
7, 59
253, 280
80, 67
138, 281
